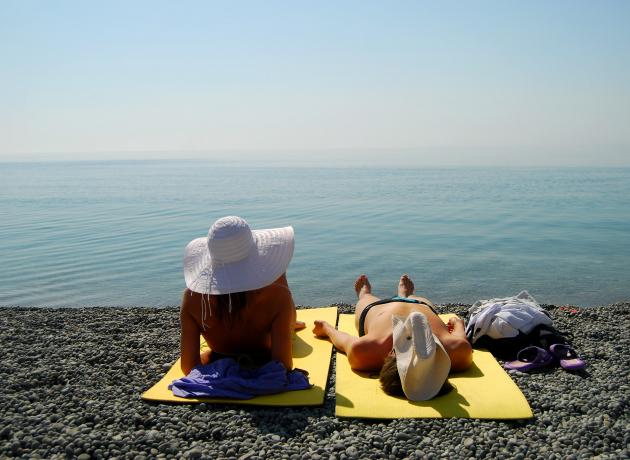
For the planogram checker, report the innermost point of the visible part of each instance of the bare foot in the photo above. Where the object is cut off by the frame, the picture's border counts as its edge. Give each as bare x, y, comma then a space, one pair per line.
405, 286
362, 286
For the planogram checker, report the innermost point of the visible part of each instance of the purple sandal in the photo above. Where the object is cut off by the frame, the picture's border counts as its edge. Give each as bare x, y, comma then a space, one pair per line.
530, 358
569, 359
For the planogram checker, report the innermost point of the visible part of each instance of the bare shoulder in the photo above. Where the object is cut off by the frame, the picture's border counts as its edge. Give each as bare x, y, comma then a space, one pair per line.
275, 296
190, 299
368, 353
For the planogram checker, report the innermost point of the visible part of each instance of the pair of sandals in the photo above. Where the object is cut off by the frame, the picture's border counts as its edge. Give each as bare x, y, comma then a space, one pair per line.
533, 357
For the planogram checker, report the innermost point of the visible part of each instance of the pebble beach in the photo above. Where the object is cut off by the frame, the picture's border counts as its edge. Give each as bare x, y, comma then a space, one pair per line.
72, 379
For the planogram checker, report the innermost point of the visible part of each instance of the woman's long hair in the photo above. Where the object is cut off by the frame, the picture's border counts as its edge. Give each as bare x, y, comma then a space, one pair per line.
228, 307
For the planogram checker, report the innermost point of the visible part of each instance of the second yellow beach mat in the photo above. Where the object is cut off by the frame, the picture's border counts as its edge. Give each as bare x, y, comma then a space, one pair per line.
483, 391
309, 353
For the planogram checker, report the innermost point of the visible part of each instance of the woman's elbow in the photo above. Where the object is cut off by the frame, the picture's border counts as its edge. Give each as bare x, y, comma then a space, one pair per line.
285, 356
186, 369
460, 353
187, 363
286, 361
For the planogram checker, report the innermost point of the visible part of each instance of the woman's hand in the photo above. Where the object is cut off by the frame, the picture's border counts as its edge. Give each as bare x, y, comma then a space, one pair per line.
299, 325
320, 328
456, 326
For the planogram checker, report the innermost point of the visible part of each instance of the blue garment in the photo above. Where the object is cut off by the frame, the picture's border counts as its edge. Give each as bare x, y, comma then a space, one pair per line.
224, 378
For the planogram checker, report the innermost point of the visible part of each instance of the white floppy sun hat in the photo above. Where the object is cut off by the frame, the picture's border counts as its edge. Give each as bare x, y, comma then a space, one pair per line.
423, 364
234, 258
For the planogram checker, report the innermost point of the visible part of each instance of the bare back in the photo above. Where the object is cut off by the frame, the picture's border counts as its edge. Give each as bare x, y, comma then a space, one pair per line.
264, 325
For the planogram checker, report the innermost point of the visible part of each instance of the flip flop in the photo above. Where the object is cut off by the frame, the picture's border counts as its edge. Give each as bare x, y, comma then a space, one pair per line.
530, 358
549, 336
569, 359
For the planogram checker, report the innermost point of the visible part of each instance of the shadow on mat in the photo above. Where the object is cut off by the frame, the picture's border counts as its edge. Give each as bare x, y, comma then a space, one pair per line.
343, 401
301, 349
472, 372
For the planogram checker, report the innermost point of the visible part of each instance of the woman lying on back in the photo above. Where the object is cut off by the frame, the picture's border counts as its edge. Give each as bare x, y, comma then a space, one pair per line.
237, 296
404, 338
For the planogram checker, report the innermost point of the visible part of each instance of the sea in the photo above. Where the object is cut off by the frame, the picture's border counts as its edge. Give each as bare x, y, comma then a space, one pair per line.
112, 233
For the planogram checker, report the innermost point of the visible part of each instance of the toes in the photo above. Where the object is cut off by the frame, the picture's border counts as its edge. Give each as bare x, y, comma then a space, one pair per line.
362, 284
361, 280
405, 286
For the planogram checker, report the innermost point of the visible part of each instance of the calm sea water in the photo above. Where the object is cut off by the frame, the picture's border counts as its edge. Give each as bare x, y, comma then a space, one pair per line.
113, 233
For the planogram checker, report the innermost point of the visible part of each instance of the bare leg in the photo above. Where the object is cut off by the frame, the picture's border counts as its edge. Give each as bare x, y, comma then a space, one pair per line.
406, 288
363, 288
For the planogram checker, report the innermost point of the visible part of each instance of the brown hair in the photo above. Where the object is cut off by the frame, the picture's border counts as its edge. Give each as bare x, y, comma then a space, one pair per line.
389, 378
228, 306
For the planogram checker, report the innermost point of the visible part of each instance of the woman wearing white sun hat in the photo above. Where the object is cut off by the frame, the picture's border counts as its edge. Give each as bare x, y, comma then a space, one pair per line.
236, 295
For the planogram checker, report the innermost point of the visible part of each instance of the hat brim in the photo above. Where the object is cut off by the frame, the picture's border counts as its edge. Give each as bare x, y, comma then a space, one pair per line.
269, 258
423, 363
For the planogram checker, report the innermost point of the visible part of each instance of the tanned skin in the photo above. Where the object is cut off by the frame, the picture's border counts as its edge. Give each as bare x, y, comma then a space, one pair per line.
265, 324
369, 352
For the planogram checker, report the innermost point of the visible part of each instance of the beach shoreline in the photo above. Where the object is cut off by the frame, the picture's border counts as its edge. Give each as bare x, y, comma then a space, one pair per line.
73, 378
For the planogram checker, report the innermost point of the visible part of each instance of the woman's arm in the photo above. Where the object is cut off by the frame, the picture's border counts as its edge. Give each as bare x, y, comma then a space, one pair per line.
363, 352
282, 328
342, 341
281, 335
189, 335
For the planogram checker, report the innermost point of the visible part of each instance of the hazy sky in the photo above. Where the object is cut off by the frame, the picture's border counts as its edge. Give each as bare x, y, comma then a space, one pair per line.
479, 82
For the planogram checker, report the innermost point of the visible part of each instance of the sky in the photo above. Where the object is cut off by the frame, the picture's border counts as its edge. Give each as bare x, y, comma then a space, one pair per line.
442, 83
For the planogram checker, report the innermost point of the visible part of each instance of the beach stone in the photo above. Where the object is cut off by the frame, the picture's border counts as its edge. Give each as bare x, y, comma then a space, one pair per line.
98, 415
194, 453
5, 433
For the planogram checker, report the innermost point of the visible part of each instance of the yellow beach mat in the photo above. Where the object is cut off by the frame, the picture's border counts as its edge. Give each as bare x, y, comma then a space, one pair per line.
485, 390
309, 353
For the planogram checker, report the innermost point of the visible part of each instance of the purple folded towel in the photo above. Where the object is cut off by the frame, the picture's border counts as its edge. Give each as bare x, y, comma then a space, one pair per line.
225, 378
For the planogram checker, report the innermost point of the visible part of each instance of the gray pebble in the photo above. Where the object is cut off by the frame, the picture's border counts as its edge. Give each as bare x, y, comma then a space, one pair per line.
94, 411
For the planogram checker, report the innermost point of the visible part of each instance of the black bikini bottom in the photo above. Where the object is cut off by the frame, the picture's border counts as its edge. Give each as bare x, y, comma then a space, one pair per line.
383, 301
